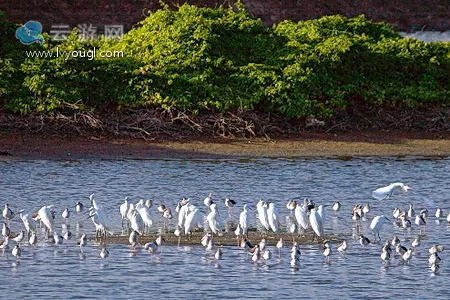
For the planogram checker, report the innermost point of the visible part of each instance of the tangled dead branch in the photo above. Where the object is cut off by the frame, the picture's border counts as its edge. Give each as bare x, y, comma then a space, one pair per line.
176, 124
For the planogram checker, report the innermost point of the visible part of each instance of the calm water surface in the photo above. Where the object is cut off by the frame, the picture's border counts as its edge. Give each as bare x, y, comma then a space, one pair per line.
186, 272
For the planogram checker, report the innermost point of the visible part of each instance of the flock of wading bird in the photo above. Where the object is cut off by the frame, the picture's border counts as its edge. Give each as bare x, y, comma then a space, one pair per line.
137, 219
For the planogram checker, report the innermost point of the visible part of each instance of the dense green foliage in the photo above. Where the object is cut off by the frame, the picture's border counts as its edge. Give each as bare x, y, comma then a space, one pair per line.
224, 59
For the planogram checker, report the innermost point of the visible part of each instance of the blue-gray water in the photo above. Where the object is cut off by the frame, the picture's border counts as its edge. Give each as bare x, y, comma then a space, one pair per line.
62, 272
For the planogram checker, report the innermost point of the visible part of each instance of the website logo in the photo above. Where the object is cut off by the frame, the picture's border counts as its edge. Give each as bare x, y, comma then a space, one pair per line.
30, 33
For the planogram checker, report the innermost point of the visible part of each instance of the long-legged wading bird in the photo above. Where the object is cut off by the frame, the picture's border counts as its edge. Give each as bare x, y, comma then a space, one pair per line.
316, 223
376, 225
387, 191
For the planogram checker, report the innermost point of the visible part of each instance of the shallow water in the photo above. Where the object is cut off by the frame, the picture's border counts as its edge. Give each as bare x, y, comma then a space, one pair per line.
186, 272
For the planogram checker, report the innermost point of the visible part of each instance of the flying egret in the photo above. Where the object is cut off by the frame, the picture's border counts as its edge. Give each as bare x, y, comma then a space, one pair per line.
387, 191
376, 225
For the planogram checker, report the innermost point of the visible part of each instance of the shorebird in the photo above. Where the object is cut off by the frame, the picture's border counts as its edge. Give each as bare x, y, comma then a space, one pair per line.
337, 206
134, 239
279, 246
82, 242
438, 213
342, 248
230, 203
16, 251
291, 205
7, 213
327, 251
416, 242
208, 200
104, 253
218, 254
363, 241
66, 214
152, 247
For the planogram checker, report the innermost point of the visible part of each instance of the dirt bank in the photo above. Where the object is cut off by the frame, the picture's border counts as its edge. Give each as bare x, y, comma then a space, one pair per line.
381, 143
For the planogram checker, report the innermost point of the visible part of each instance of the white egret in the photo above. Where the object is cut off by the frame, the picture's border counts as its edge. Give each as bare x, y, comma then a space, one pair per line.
99, 217
262, 214
387, 191
272, 216
145, 214
213, 220
301, 216
16, 251
243, 220
124, 210
376, 225
136, 222
30, 226
316, 222
193, 219
45, 215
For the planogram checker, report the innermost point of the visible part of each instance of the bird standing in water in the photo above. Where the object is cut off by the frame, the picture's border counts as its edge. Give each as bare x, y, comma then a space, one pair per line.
230, 203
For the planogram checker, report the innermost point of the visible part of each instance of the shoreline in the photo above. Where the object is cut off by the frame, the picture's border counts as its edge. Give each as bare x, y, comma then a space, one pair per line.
26, 145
